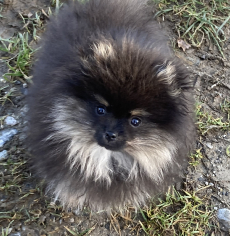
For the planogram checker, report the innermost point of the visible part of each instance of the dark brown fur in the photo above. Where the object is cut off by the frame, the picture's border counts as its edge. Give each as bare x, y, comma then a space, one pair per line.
114, 50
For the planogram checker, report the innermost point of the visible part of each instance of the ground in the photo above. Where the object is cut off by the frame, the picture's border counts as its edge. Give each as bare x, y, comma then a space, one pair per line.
26, 210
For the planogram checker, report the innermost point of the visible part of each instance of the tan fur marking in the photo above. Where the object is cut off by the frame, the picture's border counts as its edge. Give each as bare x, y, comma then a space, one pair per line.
167, 72
103, 49
139, 112
101, 100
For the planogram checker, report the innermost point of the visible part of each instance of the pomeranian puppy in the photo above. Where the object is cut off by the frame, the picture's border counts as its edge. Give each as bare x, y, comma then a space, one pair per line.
111, 109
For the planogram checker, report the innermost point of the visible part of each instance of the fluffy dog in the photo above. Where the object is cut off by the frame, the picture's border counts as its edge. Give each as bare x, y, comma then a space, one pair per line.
111, 109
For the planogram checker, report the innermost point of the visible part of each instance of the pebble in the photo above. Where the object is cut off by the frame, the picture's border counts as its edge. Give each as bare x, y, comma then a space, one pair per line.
1, 78
17, 82
10, 121
215, 208
6, 135
15, 234
3, 155
76, 212
223, 216
203, 57
201, 179
209, 145
71, 220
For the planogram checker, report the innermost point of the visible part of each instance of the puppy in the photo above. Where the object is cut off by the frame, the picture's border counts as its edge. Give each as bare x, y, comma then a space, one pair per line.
111, 109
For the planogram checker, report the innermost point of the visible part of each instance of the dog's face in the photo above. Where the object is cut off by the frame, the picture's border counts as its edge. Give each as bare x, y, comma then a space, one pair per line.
120, 114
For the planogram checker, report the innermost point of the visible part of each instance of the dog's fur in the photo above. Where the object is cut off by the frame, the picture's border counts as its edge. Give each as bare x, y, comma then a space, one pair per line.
111, 54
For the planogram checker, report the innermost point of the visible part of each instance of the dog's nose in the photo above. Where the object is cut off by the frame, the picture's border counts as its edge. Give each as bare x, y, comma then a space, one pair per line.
110, 136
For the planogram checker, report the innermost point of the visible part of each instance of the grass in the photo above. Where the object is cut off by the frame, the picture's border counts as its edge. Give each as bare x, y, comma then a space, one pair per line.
19, 57
76, 233
225, 107
199, 20
6, 95
13, 175
33, 23
179, 214
207, 122
195, 158
7, 230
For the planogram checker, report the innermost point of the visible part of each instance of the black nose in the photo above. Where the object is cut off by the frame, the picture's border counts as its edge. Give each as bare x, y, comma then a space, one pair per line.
110, 136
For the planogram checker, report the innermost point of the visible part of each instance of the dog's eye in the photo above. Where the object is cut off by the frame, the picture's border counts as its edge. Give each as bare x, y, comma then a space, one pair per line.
100, 110
135, 122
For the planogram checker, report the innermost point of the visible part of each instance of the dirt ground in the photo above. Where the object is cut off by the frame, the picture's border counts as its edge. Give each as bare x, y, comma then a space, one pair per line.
211, 177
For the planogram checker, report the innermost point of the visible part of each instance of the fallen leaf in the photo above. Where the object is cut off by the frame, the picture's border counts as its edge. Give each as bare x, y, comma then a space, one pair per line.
182, 44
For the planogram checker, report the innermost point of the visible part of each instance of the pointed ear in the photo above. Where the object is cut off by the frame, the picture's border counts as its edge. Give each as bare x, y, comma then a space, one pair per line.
166, 69
166, 74
175, 75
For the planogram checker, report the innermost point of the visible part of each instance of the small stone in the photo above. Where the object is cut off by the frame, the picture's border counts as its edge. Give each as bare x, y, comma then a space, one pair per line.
71, 220
10, 121
211, 184
76, 212
223, 216
201, 179
209, 145
3, 199
203, 56
25, 91
15, 234
1, 79
215, 208
3, 155
206, 183
6, 135
209, 191
107, 226
17, 82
